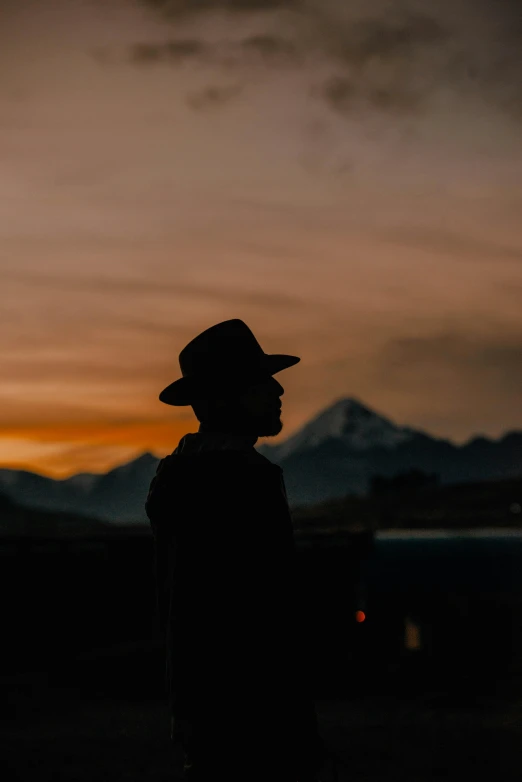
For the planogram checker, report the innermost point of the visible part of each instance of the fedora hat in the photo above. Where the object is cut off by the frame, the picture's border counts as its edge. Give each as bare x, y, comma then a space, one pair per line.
224, 358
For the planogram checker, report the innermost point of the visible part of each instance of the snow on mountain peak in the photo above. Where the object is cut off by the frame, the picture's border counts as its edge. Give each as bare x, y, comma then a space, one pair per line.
350, 421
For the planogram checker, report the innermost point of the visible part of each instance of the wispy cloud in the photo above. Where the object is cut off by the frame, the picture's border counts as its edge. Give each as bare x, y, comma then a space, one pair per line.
459, 246
160, 287
270, 50
383, 58
175, 9
174, 52
213, 97
466, 356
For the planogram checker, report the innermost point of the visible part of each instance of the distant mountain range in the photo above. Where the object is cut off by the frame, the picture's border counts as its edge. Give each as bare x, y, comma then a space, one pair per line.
19, 520
333, 455
339, 450
116, 496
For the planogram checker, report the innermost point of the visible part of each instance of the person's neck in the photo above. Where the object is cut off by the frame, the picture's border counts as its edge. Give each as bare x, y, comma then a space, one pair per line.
237, 430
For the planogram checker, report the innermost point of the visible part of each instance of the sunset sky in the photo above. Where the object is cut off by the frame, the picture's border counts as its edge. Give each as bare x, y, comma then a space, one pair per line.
346, 177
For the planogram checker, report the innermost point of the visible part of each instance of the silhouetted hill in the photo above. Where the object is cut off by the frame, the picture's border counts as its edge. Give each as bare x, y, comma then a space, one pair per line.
116, 496
18, 520
415, 500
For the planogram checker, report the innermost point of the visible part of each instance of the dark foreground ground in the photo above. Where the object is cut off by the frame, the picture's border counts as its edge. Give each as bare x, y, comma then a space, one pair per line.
405, 729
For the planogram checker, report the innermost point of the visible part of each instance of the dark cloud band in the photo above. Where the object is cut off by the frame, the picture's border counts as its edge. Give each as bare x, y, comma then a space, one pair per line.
389, 58
180, 8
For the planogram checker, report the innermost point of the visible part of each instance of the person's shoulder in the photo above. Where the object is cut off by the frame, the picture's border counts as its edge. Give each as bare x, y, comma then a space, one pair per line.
227, 459
254, 457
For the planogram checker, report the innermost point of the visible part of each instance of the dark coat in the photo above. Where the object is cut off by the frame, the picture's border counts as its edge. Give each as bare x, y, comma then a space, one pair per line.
227, 580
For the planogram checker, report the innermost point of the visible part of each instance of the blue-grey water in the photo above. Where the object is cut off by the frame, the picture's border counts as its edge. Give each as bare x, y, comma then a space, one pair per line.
475, 560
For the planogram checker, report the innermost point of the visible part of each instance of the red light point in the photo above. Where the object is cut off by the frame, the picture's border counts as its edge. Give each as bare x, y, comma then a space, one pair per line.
360, 616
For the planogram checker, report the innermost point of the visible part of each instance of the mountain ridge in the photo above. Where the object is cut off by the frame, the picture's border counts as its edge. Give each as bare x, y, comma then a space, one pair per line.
334, 454
348, 419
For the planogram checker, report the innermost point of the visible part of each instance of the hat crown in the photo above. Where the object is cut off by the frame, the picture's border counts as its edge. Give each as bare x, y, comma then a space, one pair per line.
229, 346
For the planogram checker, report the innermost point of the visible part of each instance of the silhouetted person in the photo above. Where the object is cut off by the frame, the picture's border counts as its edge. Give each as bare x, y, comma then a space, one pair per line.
237, 670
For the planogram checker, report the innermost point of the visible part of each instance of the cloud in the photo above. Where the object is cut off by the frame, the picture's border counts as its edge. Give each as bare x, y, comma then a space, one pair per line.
175, 52
377, 61
213, 97
386, 57
269, 50
345, 95
402, 61
393, 38
380, 63
492, 360
165, 287
174, 9
458, 246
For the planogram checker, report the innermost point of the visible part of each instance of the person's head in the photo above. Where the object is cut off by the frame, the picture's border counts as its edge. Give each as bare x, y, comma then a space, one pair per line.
254, 409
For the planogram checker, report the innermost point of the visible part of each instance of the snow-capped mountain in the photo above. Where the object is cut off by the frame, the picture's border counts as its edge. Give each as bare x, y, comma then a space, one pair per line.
348, 421
339, 451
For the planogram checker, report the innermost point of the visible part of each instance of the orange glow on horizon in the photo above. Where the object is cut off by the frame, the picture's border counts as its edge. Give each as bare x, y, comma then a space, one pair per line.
59, 450
147, 434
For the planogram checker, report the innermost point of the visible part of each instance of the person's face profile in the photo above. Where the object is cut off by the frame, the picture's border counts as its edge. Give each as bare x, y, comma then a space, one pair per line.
252, 407
261, 401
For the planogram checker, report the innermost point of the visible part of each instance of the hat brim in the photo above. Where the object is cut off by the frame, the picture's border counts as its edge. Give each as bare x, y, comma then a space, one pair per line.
185, 390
